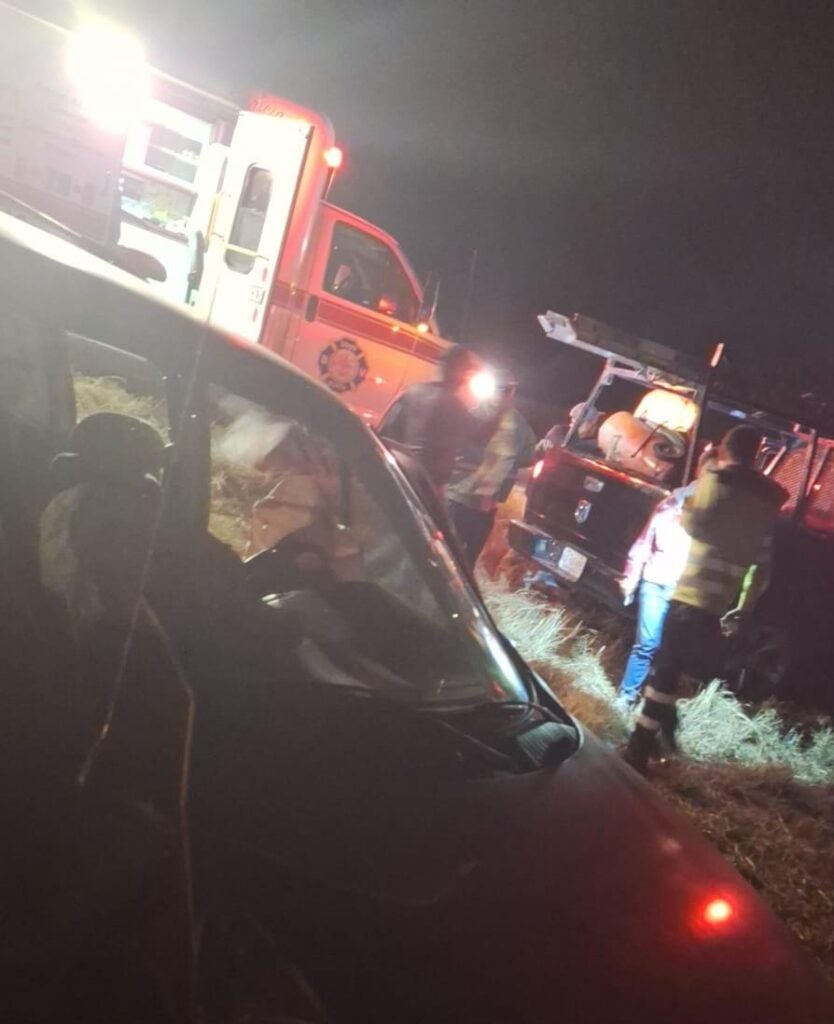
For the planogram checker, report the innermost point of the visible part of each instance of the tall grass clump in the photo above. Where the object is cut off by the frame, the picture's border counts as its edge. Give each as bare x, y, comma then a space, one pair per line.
550, 638
715, 727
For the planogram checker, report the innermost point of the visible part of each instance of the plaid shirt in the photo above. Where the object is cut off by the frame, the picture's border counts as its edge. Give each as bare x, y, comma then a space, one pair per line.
484, 477
659, 554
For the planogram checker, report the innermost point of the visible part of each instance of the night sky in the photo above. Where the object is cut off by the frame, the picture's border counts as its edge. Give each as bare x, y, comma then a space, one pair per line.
664, 166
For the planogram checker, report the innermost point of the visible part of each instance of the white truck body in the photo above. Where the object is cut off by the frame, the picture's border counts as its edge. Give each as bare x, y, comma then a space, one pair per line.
230, 203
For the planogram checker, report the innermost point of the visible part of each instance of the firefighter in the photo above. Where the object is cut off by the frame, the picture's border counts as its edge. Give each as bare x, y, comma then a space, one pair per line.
730, 519
484, 475
433, 420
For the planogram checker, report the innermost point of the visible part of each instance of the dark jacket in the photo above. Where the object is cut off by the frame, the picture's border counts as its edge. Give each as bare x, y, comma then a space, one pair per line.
730, 518
433, 425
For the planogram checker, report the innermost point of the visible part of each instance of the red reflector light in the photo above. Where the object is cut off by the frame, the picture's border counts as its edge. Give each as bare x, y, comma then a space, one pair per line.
718, 912
537, 469
334, 158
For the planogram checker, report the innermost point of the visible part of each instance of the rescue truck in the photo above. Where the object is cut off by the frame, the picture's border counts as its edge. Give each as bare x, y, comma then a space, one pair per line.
221, 208
653, 409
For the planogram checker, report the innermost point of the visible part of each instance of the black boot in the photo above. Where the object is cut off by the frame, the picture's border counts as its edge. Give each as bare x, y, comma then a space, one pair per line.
668, 729
641, 747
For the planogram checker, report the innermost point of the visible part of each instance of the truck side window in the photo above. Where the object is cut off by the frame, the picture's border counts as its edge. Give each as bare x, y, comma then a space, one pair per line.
364, 270
249, 220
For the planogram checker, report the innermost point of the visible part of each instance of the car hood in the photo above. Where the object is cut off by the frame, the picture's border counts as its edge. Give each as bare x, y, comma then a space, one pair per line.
589, 899
571, 894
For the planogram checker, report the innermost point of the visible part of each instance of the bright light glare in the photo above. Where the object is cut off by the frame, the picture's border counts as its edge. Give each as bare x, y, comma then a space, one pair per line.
108, 69
334, 157
718, 911
482, 385
536, 472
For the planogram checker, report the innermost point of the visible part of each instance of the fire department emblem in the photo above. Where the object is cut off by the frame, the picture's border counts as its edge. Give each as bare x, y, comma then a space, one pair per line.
342, 365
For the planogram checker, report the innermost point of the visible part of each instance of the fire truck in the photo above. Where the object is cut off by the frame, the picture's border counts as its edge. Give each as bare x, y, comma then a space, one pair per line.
221, 208
646, 419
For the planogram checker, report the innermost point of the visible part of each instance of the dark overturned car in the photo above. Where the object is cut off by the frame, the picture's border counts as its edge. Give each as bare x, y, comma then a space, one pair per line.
266, 756
647, 418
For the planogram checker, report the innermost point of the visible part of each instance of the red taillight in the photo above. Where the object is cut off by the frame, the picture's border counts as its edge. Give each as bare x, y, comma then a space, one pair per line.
334, 158
718, 911
537, 469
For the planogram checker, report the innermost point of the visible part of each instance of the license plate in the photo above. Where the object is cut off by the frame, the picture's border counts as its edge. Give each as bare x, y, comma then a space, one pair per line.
571, 564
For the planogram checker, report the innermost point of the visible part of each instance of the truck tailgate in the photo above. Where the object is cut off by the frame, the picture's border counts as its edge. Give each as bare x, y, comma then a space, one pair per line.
598, 509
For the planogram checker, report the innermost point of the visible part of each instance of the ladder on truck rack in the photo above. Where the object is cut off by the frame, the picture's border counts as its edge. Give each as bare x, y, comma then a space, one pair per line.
639, 354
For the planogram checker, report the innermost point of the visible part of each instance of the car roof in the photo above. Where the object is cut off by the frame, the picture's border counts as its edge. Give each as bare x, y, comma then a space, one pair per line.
84, 295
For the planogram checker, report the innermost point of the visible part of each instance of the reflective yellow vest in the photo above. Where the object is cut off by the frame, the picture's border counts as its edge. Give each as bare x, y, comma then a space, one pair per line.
730, 518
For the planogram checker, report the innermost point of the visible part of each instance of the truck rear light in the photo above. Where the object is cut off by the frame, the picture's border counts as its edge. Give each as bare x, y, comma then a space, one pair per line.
334, 158
536, 472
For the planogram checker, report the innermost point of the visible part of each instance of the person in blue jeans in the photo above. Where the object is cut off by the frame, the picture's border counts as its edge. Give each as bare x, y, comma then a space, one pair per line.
655, 562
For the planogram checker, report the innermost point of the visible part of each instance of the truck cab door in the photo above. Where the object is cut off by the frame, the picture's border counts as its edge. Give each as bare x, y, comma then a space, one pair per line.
251, 220
359, 333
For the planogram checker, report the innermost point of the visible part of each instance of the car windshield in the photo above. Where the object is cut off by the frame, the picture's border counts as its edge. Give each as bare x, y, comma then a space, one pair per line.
289, 493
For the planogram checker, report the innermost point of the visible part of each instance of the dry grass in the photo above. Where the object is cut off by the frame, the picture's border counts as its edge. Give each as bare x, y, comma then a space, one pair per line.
110, 394
760, 790
235, 485
778, 833
715, 727
235, 488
